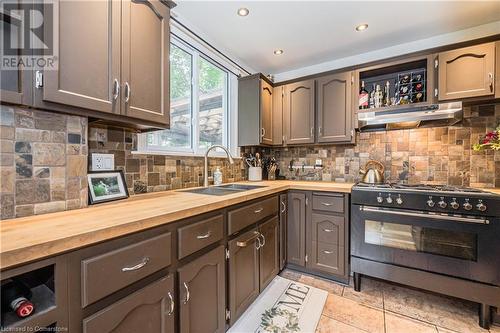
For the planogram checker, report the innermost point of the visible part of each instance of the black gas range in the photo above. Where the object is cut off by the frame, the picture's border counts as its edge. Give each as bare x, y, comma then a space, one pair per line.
441, 238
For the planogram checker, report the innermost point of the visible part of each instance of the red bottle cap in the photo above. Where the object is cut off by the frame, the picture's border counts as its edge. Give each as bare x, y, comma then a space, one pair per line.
25, 309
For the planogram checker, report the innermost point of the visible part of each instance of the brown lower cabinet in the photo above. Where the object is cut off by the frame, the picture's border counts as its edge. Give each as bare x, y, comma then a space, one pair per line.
202, 290
318, 233
283, 219
253, 264
148, 310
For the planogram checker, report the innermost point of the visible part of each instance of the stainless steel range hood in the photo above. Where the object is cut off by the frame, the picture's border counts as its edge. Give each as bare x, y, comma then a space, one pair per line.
444, 114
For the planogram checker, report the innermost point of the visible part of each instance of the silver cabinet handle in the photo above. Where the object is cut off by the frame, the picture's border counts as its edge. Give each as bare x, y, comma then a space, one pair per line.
490, 75
257, 211
127, 92
262, 132
187, 293
140, 265
205, 236
326, 204
263, 240
312, 132
327, 230
284, 206
319, 130
172, 304
116, 89
327, 252
258, 243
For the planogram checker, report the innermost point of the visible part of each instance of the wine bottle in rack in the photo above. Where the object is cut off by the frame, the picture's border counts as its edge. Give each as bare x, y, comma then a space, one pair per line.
16, 297
363, 96
372, 96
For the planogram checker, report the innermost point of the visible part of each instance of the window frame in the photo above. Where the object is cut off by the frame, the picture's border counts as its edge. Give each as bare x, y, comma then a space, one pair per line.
228, 104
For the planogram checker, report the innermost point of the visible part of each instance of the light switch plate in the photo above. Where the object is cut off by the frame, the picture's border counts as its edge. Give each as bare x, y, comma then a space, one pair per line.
319, 162
103, 162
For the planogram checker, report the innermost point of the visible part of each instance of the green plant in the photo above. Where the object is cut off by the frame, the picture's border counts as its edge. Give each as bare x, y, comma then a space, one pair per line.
489, 141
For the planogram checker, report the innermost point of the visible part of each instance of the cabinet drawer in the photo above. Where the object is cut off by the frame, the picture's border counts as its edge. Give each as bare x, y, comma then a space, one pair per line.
329, 258
328, 229
243, 217
329, 203
196, 236
104, 274
150, 309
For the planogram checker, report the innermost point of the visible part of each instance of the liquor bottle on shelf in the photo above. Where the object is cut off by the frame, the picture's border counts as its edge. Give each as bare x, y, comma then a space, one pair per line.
15, 296
363, 96
387, 94
378, 96
372, 96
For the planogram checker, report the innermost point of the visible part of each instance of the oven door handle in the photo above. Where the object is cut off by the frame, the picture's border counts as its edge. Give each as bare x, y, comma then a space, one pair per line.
429, 216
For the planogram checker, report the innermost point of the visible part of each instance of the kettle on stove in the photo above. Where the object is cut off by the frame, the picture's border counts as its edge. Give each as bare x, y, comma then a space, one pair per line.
373, 172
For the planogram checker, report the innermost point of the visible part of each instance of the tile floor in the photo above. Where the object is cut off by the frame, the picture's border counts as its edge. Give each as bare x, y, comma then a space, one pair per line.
382, 307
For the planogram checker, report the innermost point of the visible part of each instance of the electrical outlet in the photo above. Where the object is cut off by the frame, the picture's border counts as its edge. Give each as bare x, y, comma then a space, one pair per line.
103, 162
319, 162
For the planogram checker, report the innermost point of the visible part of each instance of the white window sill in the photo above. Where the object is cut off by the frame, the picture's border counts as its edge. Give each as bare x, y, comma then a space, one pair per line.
181, 154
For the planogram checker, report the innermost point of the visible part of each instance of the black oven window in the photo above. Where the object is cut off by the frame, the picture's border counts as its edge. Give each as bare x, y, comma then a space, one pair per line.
448, 243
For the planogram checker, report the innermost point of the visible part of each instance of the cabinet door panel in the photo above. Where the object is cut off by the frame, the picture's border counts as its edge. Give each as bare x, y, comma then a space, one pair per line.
278, 115
467, 72
145, 60
269, 252
266, 109
283, 224
334, 108
202, 288
327, 258
243, 273
89, 55
299, 112
296, 228
147, 310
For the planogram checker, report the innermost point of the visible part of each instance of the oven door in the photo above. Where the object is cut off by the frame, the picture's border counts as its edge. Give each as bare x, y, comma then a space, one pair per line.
460, 246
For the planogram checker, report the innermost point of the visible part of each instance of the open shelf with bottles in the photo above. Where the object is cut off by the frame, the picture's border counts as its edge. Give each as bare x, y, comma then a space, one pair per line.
396, 85
34, 296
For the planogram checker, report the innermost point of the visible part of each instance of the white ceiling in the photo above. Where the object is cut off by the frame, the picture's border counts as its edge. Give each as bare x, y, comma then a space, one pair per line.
312, 32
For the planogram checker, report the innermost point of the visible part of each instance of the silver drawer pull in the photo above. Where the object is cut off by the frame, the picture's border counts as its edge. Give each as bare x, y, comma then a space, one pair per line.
187, 293
172, 304
205, 236
328, 230
326, 204
327, 252
116, 89
257, 211
140, 265
284, 207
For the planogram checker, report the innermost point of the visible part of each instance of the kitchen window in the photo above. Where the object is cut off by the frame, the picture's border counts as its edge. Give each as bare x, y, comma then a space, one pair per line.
200, 108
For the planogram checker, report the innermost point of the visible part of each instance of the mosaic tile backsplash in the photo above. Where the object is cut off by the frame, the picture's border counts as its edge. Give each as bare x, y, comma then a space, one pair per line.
440, 155
153, 173
43, 162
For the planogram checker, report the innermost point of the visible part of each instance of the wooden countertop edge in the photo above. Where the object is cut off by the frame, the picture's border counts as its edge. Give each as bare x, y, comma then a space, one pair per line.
21, 255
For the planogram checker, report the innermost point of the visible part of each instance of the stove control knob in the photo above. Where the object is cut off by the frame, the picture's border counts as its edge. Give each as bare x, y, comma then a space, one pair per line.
481, 206
454, 204
379, 198
467, 205
399, 200
389, 199
430, 202
442, 203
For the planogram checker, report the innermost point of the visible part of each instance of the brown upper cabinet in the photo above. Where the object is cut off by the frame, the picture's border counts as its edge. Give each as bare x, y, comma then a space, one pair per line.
113, 63
298, 112
255, 109
467, 72
334, 108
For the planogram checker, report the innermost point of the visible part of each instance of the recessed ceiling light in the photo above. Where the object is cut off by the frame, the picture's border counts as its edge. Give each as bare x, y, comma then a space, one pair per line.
278, 52
243, 11
362, 27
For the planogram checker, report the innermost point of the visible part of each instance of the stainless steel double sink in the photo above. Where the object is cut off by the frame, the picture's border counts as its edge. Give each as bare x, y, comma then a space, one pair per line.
223, 189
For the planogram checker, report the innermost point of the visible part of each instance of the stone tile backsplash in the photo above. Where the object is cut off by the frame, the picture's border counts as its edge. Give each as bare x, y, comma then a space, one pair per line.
440, 155
152, 173
43, 162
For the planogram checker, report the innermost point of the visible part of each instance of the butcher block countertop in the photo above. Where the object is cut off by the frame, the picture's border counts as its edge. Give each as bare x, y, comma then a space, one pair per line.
31, 238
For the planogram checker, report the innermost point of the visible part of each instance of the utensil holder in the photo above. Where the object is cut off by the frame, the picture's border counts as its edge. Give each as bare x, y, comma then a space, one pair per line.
254, 174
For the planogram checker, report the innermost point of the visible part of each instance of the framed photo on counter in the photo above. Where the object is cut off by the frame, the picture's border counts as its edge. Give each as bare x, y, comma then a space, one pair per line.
106, 186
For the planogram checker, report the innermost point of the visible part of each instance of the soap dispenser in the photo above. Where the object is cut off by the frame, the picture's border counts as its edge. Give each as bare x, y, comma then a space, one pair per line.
217, 176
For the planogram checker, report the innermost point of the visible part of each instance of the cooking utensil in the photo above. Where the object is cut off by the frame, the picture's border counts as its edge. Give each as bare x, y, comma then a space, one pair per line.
373, 172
